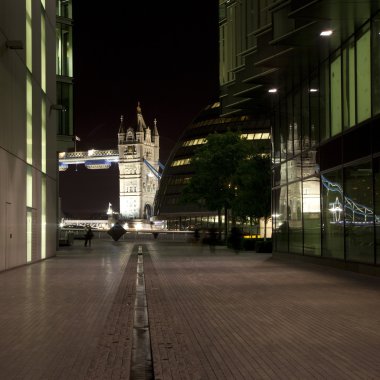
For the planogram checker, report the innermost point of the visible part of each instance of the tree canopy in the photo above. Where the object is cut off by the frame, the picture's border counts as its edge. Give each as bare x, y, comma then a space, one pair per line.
215, 165
231, 173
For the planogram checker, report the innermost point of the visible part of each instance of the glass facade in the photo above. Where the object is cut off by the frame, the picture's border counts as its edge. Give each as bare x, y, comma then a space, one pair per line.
65, 72
326, 158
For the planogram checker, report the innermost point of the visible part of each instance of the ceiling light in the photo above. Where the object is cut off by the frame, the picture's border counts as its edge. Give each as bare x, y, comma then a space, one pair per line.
326, 33
313, 90
272, 90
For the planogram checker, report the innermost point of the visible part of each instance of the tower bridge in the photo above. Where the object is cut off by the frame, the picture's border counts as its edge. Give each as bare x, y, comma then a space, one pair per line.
139, 168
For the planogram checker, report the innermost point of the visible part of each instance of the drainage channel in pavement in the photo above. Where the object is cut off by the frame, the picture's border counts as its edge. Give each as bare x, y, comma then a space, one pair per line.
141, 360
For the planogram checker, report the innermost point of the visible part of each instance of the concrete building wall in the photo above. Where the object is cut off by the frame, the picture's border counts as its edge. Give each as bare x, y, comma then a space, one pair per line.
27, 223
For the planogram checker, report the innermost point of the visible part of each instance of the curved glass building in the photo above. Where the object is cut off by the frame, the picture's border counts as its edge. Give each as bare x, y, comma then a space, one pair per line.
179, 170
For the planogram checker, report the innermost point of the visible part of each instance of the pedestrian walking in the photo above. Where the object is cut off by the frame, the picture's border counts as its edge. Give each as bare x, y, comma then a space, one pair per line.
88, 236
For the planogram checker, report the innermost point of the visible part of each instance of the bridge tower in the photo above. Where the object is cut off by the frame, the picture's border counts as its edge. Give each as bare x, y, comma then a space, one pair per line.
138, 185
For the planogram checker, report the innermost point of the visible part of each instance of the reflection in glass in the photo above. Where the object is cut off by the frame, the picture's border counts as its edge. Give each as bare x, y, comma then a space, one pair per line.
294, 169
295, 217
312, 216
280, 219
332, 215
376, 174
324, 105
358, 213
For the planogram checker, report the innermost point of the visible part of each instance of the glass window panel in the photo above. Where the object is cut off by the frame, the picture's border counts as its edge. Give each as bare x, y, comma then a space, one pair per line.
309, 163
336, 96
29, 186
332, 215
295, 217
376, 65
29, 119
305, 108
281, 222
276, 175
312, 216
349, 112
43, 135
43, 217
43, 52
363, 59
297, 133
283, 130
283, 174
314, 93
64, 51
376, 173
29, 235
290, 126
358, 213
29, 34
294, 169
324, 102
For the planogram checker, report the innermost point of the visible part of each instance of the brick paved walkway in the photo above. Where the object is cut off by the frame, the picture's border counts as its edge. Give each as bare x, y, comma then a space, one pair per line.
212, 316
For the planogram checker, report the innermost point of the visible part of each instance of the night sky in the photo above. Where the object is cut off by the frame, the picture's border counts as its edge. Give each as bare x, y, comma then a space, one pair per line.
163, 54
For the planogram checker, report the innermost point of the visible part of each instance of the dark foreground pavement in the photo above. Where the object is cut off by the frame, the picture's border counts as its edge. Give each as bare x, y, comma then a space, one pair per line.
211, 316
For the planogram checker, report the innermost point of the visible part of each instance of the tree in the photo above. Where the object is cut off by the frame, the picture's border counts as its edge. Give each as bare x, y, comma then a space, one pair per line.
253, 182
215, 165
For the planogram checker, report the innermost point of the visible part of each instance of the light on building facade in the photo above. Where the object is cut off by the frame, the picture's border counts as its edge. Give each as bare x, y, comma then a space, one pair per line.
326, 33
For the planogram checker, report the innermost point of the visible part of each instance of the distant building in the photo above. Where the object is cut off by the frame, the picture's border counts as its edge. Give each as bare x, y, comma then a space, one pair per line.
138, 148
65, 73
138, 159
179, 170
28, 155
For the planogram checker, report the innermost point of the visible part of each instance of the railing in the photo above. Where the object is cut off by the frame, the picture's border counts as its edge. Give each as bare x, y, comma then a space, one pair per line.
353, 212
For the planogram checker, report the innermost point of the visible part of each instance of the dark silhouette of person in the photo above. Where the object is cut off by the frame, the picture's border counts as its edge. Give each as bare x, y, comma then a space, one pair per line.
212, 239
196, 235
88, 236
235, 239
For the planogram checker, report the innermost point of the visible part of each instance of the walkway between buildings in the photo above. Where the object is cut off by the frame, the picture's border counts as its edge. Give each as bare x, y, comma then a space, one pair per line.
211, 316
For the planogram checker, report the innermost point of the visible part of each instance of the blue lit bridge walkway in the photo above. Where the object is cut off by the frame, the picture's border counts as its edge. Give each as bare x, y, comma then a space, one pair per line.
210, 316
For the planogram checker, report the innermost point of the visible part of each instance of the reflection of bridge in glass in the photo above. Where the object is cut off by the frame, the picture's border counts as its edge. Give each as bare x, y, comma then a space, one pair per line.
353, 212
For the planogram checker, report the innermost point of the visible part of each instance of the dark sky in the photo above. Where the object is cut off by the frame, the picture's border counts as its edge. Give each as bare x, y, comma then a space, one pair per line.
163, 54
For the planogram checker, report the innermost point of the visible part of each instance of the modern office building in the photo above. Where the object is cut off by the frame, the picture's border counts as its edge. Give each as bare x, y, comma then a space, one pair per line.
316, 66
28, 160
178, 169
64, 71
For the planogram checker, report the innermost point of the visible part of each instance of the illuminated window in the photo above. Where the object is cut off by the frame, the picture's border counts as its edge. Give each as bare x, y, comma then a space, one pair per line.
29, 119
43, 51
336, 96
29, 186
43, 135
363, 60
43, 217
182, 162
29, 225
64, 51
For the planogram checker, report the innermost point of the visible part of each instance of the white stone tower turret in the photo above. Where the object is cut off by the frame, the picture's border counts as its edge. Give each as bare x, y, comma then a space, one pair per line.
138, 148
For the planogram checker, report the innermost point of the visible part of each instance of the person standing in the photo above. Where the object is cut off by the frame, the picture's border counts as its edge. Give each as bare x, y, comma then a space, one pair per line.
88, 236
